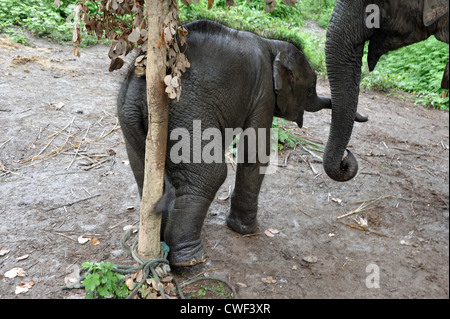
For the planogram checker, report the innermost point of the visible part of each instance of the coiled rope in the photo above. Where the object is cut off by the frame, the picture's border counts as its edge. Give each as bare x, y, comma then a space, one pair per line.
158, 268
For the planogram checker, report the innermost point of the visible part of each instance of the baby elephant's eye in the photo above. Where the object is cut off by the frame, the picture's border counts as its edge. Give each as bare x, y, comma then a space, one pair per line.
312, 89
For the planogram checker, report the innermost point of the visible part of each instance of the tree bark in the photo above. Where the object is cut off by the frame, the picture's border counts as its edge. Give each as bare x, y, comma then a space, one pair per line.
156, 142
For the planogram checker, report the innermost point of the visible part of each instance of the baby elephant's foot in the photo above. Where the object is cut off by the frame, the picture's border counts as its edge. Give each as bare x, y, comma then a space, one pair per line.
187, 254
242, 226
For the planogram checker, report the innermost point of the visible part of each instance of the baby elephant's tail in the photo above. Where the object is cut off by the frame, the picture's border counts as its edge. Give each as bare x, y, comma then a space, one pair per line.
166, 204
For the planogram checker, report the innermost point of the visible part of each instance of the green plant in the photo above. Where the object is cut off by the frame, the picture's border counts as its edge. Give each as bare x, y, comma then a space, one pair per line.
17, 36
317, 10
41, 18
101, 280
218, 290
288, 139
417, 69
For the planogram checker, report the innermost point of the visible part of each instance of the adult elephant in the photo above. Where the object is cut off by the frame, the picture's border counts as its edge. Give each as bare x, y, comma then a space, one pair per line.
387, 25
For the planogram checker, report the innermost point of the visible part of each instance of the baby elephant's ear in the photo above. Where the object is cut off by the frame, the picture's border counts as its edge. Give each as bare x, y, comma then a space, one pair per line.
277, 84
283, 80
433, 10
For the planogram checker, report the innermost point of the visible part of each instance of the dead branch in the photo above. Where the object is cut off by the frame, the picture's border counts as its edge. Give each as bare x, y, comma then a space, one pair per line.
72, 203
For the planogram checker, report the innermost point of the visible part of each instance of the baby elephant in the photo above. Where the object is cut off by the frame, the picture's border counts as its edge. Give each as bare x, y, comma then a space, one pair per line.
236, 80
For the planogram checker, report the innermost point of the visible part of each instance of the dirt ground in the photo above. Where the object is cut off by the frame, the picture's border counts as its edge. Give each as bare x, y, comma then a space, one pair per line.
64, 173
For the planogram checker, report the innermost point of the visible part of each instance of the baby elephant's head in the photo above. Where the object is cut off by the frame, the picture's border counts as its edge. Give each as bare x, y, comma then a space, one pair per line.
295, 85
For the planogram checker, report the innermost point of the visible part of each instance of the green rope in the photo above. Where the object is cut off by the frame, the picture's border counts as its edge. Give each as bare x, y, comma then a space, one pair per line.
157, 267
153, 265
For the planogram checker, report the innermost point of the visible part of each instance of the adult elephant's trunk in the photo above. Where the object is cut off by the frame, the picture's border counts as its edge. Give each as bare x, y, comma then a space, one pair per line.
344, 51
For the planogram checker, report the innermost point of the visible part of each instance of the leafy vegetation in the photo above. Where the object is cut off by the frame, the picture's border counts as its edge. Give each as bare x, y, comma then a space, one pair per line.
218, 290
287, 138
317, 10
37, 15
101, 280
41, 18
416, 69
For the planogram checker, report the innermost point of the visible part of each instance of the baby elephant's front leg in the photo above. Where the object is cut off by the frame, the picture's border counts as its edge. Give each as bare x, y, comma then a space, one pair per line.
244, 200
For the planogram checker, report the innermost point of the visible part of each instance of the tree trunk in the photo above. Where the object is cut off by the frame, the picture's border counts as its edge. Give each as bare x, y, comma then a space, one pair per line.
156, 142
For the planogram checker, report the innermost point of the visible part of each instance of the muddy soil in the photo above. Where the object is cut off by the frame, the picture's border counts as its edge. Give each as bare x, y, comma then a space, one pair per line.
64, 173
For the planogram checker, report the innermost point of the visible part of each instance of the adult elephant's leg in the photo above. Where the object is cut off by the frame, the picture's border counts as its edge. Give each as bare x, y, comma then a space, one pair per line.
194, 194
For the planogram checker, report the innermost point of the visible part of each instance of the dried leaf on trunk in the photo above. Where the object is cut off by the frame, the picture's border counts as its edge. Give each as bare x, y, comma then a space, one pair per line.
76, 34
135, 35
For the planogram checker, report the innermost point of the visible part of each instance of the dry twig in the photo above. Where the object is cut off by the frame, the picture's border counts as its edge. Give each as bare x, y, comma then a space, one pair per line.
365, 205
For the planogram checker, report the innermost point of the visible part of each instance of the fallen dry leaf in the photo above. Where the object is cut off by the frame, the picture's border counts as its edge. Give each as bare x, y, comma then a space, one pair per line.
3, 251
23, 287
95, 241
310, 259
22, 257
271, 232
82, 240
15, 272
268, 233
269, 280
138, 276
130, 283
73, 278
56, 105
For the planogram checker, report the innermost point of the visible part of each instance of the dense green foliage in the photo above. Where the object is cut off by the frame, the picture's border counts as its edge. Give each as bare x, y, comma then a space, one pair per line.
39, 17
417, 68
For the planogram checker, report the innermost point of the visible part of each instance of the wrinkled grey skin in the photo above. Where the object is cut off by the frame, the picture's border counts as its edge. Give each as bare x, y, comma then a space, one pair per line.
402, 22
236, 80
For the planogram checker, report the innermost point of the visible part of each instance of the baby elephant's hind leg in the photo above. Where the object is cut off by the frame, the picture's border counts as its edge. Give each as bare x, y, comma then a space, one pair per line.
184, 225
